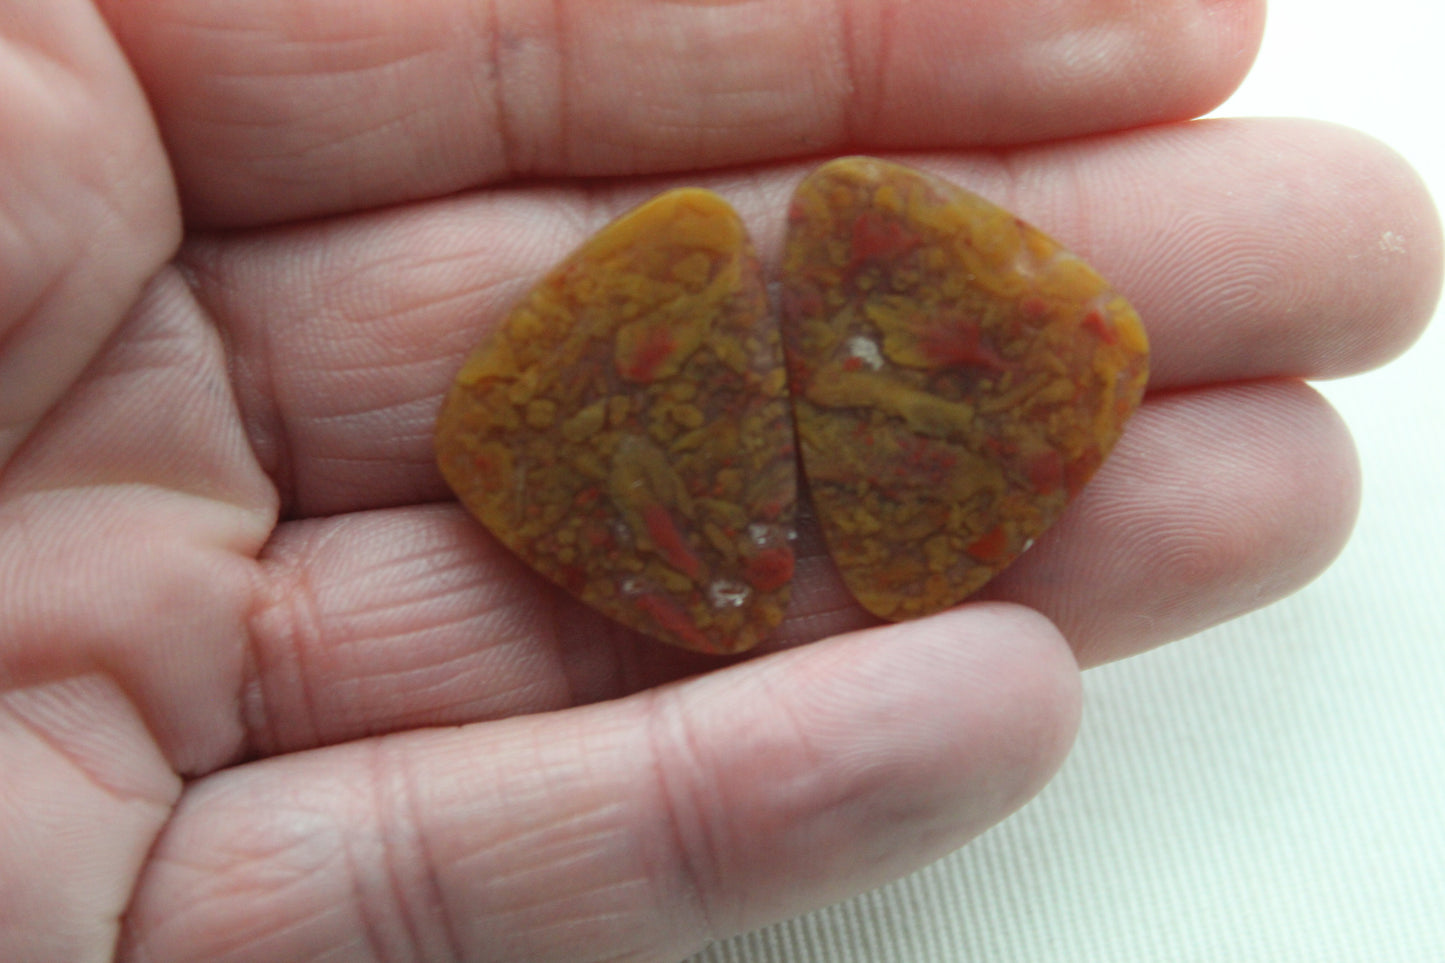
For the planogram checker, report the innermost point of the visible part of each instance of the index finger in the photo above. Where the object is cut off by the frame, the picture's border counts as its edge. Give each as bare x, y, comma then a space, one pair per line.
280, 109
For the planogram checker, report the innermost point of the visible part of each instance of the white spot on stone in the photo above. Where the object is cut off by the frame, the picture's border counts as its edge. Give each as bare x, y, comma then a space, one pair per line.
865, 350
727, 595
1391, 243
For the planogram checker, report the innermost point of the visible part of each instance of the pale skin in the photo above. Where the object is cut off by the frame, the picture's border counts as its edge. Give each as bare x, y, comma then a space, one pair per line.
267, 693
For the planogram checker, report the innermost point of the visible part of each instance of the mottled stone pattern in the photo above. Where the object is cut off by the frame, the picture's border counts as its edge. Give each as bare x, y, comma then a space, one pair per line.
957, 378
626, 429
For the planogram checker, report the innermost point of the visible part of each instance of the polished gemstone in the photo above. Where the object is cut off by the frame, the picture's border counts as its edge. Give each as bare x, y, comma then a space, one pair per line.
626, 429
957, 377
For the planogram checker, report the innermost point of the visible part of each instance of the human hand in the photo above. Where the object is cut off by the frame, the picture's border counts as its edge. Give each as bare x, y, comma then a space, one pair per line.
269, 693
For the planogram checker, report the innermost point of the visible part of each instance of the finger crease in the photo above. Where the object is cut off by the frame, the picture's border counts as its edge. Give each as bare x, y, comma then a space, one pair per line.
506, 128
284, 619
691, 861
410, 819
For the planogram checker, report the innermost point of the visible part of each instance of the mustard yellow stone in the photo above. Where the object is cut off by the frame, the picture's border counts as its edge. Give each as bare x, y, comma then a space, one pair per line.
626, 429
957, 378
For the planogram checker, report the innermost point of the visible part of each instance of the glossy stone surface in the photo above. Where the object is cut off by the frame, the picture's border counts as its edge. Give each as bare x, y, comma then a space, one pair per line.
957, 378
626, 429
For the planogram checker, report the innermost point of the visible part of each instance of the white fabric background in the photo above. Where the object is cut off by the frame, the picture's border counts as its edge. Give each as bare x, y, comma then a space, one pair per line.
1273, 789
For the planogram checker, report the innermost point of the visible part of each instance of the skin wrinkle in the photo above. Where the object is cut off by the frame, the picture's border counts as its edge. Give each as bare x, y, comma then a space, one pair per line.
562, 667
560, 901
425, 682
281, 466
695, 863
371, 937
237, 939
506, 126
364, 372
500, 661
20, 329
159, 802
859, 112
563, 121
271, 445
412, 824
290, 599
258, 723
262, 374
12, 706
61, 640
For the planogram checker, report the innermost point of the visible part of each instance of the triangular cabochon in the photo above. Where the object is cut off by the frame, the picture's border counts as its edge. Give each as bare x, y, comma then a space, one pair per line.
957, 378
626, 429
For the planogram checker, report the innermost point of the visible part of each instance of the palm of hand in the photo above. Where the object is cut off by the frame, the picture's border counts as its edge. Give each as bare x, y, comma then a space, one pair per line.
222, 539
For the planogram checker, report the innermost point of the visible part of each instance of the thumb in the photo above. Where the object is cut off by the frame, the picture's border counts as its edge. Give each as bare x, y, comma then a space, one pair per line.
87, 207
633, 829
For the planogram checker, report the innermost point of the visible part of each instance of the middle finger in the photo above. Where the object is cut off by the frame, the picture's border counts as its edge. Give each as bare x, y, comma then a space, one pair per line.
1251, 249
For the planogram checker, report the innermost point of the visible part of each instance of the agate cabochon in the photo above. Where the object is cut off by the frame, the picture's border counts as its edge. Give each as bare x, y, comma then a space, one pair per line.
952, 377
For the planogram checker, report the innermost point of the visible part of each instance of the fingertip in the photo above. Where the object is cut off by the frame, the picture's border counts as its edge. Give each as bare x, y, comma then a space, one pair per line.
1324, 255
1395, 274
1007, 679
1181, 62
817, 773
1106, 66
1236, 29
1017, 673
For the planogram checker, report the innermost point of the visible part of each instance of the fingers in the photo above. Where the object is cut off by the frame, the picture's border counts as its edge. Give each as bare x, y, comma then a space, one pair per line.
88, 211
1252, 249
277, 110
633, 829
1216, 502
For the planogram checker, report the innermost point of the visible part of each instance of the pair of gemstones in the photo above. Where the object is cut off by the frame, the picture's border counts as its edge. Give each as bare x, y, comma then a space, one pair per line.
945, 377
